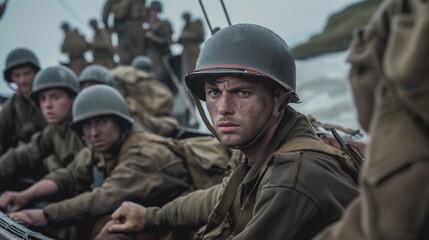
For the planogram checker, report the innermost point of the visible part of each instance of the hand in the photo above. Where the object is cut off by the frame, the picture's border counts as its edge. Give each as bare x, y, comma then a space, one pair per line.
32, 217
13, 200
128, 217
149, 34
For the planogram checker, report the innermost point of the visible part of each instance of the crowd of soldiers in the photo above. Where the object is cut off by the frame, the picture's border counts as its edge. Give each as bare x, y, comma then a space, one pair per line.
96, 155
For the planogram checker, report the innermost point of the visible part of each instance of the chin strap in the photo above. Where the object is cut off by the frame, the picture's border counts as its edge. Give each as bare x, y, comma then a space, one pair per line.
279, 104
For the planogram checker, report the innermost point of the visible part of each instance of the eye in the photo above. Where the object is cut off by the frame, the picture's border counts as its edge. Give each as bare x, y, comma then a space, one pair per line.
243, 93
213, 92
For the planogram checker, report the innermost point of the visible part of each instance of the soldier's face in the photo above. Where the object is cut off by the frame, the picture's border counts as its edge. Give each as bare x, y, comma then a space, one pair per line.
56, 105
23, 78
102, 133
239, 108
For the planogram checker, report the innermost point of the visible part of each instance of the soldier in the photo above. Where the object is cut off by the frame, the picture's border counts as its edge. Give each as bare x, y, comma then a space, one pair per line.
191, 37
159, 38
129, 16
389, 77
54, 90
289, 185
123, 163
161, 125
20, 117
101, 46
74, 45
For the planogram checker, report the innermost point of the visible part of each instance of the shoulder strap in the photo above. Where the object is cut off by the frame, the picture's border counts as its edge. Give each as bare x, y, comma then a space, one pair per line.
350, 159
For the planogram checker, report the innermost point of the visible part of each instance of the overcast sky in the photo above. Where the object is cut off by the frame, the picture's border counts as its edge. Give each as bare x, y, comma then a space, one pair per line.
35, 24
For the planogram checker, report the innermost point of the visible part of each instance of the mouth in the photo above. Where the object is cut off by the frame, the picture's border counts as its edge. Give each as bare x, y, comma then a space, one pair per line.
227, 127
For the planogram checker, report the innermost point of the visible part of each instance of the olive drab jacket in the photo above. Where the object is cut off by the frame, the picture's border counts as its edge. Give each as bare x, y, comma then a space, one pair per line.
191, 37
143, 171
102, 48
161, 47
35, 158
75, 46
20, 118
287, 195
394, 199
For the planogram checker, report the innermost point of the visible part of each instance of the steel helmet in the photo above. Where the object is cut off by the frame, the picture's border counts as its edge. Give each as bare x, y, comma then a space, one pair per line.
20, 57
96, 73
248, 50
156, 5
99, 100
55, 77
143, 63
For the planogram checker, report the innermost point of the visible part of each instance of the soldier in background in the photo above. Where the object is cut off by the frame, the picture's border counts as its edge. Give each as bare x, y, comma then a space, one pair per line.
162, 125
20, 117
191, 37
101, 46
75, 46
159, 38
54, 90
389, 78
123, 163
129, 16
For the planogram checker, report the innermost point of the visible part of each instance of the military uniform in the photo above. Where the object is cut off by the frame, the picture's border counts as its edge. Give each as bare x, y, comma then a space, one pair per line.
20, 118
102, 49
28, 160
191, 37
290, 195
156, 50
394, 200
129, 16
142, 171
75, 45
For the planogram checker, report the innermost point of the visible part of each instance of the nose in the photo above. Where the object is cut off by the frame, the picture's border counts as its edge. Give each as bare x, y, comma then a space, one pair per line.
225, 104
46, 103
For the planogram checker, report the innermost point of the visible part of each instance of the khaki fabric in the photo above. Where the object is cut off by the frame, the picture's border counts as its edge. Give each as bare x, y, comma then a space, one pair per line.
20, 118
150, 94
156, 50
75, 45
143, 171
191, 37
102, 48
394, 199
29, 160
287, 196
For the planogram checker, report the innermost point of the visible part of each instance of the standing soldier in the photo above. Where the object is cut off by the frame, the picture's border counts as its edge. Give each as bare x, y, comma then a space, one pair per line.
159, 38
191, 37
389, 77
290, 185
20, 117
129, 16
123, 163
101, 46
75, 46
54, 90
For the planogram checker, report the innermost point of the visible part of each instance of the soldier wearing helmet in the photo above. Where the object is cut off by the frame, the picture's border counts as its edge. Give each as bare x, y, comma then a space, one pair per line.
142, 89
75, 46
159, 38
121, 163
128, 18
389, 79
289, 185
20, 118
191, 37
101, 46
54, 89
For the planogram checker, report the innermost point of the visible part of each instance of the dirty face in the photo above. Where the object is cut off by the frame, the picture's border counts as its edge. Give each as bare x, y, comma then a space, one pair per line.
102, 132
239, 108
23, 78
56, 105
